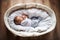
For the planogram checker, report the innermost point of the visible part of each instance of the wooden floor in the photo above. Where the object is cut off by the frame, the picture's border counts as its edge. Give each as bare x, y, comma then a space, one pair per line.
5, 34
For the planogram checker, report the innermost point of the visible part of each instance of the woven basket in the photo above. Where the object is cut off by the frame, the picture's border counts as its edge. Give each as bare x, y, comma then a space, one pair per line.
29, 5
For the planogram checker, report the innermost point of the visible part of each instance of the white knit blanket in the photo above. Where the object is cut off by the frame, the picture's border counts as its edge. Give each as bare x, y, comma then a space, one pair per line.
44, 23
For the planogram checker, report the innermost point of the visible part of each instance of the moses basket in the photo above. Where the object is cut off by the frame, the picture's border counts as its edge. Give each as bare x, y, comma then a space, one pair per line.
28, 5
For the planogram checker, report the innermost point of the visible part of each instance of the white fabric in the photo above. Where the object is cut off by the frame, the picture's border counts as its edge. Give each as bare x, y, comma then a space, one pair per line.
42, 25
26, 22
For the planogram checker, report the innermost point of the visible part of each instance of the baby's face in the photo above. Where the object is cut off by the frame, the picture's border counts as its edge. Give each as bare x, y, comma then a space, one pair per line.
24, 16
19, 19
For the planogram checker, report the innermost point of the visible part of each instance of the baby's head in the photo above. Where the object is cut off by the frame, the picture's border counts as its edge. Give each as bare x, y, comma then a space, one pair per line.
19, 19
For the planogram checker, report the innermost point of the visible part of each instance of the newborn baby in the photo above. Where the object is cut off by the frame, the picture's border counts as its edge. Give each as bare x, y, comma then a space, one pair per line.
25, 21
22, 20
19, 19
